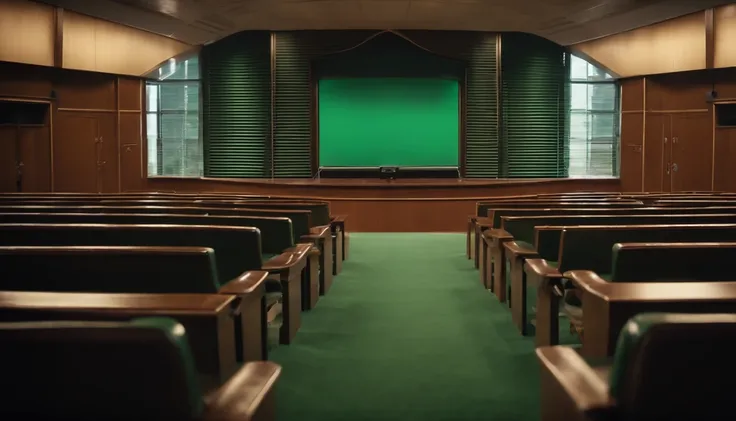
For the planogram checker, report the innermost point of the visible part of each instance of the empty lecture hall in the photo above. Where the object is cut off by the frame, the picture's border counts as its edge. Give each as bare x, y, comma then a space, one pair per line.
367, 210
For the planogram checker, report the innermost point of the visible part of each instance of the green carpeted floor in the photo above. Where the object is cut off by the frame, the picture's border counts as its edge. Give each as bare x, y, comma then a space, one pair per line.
406, 333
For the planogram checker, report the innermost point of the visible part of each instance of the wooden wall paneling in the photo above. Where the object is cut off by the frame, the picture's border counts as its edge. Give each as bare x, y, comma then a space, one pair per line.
692, 152
724, 34
724, 158
85, 91
675, 45
632, 94
27, 32
398, 206
24, 81
98, 45
724, 83
632, 171
656, 153
131, 143
8, 158
129, 91
75, 152
679, 92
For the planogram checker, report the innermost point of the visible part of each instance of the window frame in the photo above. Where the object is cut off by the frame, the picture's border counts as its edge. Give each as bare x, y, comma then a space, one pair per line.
590, 114
153, 80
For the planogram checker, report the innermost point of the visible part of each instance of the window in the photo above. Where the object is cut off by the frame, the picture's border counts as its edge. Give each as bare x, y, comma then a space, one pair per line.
593, 121
172, 120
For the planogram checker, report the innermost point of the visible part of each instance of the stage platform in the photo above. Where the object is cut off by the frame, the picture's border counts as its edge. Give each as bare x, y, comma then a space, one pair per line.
411, 205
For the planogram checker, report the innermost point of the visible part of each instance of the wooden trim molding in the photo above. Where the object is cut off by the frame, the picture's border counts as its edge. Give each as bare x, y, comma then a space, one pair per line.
59, 37
643, 131
710, 39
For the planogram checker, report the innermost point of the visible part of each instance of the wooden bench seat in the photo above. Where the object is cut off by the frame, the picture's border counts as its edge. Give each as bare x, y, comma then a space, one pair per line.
666, 366
143, 270
590, 248
495, 238
209, 319
237, 250
120, 370
518, 240
276, 238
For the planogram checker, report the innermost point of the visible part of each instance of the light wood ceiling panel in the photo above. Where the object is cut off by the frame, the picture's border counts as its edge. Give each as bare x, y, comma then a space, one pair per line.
563, 21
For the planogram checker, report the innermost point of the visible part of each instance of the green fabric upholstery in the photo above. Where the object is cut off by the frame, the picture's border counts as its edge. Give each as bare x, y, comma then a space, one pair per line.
675, 366
591, 249
237, 249
640, 263
142, 369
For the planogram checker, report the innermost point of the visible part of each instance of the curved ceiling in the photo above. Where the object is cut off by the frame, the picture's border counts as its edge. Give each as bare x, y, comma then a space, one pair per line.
563, 21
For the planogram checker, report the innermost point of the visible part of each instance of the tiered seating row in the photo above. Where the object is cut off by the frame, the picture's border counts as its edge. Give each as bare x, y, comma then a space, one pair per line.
216, 273
603, 260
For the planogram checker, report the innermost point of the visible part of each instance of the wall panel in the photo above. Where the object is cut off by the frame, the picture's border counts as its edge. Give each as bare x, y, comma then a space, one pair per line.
27, 32
724, 34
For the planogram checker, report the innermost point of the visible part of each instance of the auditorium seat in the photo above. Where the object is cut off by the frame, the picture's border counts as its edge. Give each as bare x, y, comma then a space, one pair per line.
666, 366
141, 369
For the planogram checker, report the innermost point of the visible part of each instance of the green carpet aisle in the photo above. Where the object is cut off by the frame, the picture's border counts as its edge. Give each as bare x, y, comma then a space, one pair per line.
408, 333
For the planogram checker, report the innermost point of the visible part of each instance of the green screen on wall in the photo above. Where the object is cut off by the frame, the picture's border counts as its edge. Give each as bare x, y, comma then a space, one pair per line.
373, 122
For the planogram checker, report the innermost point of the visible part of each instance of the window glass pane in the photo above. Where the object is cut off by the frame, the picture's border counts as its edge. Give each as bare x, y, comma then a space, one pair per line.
152, 140
593, 122
172, 131
151, 97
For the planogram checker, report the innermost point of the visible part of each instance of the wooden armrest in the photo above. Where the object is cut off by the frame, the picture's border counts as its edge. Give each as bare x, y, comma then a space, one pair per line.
339, 218
543, 270
567, 370
320, 231
518, 251
289, 258
499, 234
472, 218
247, 283
244, 394
586, 280
484, 222
314, 251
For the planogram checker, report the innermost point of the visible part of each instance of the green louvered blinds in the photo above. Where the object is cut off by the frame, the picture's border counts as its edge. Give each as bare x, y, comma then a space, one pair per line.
481, 109
534, 107
237, 106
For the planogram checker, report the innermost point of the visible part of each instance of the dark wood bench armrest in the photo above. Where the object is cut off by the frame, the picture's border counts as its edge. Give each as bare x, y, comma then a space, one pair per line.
247, 283
518, 251
542, 270
484, 222
571, 382
587, 280
288, 259
339, 218
248, 395
320, 231
499, 234
472, 218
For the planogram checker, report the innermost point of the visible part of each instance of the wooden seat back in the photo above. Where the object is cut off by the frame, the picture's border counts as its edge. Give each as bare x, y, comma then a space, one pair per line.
547, 243
109, 269
276, 233
590, 247
98, 370
484, 210
300, 219
671, 262
674, 367
209, 319
238, 249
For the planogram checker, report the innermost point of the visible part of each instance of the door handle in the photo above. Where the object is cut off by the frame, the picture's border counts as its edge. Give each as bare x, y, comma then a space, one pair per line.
674, 167
667, 169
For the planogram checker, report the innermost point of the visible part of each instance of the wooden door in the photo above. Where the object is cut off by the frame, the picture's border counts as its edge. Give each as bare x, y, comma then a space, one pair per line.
656, 152
692, 152
34, 143
108, 155
76, 152
8, 158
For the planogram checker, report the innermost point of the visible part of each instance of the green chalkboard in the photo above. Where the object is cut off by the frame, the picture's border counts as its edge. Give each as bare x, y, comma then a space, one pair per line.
370, 122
